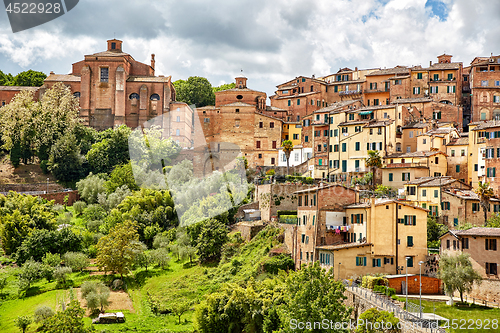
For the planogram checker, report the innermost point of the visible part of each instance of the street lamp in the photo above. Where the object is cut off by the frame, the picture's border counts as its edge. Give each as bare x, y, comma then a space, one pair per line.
47, 186
339, 269
406, 286
420, 264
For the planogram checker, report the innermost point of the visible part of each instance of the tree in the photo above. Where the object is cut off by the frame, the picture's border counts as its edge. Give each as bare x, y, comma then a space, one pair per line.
375, 321
90, 187
29, 78
96, 294
76, 260
121, 175
65, 160
5, 79
225, 86
113, 150
195, 90
61, 273
287, 150
23, 322
373, 161
213, 235
434, 231
116, 251
494, 222
43, 312
485, 193
313, 294
457, 274
179, 308
70, 320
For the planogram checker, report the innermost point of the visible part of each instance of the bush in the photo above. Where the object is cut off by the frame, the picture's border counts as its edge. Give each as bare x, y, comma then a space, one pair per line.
90, 187
43, 312
76, 260
94, 213
286, 212
279, 262
96, 294
44, 165
371, 281
288, 219
79, 207
52, 260
309, 180
60, 275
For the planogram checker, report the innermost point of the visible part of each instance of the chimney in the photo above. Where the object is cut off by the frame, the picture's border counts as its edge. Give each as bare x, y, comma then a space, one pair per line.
153, 61
430, 63
356, 69
52, 73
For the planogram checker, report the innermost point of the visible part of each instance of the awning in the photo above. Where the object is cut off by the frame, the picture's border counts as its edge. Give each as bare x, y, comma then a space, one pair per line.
364, 113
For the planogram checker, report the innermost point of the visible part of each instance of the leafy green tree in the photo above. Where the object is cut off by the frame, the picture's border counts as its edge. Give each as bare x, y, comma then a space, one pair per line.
377, 321
494, 221
5, 79
85, 137
160, 257
313, 294
225, 86
116, 251
61, 275
70, 320
373, 161
90, 187
96, 294
31, 272
287, 150
457, 274
434, 231
485, 193
23, 322
52, 260
76, 260
212, 237
65, 161
179, 308
29, 78
382, 190
113, 150
195, 90
120, 176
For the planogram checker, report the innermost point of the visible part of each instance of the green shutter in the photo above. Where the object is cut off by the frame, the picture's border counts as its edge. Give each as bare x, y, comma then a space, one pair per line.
364, 261
414, 219
390, 177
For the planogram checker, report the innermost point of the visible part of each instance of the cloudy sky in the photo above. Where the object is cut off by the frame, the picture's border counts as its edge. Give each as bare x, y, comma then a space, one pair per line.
272, 41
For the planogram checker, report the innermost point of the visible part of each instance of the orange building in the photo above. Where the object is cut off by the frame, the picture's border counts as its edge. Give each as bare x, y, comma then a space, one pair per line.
485, 88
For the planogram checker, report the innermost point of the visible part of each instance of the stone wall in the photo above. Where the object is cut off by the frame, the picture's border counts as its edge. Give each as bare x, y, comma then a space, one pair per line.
274, 197
248, 230
488, 290
59, 197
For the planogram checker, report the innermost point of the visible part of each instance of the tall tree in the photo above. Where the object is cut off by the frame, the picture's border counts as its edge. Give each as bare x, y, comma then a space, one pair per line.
69, 320
30, 78
373, 161
224, 86
287, 150
195, 90
116, 251
65, 160
457, 274
485, 193
111, 151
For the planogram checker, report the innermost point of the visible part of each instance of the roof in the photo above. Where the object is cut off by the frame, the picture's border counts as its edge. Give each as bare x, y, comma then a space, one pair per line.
476, 231
342, 246
417, 125
382, 202
425, 153
238, 104
17, 88
354, 122
148, 78
313, 189
485, 125
380, 123
376, 107
390, 71
462, 141
413, 100
273, 108
336, 106
109, 54
63, 77
294, 96
432, 181
466, 194
239, 89
445, 65
395, 276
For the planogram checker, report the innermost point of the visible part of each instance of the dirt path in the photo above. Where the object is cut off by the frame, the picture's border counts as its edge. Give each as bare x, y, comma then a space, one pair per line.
118, 301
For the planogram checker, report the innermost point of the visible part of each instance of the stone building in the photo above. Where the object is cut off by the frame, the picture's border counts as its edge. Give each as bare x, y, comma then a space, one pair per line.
485, 88
115, 89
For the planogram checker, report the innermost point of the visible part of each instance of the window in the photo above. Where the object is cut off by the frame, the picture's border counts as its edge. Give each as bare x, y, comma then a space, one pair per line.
497, 83
300, 201
450, 89
298, 101
496, 99
257, 145
351, 116
445, 205
303, 238
335, 132
335, 148
178, 119
319, 147
410, 260
484, 83
465, 242
274, 144
360, 261
436, 77
436, 193
206, 120
260, 155
391, 177
344, 147
491, 268
410, 220
306, 138
104, 74
376, 263
419, 76
273, 160
375, 101
490, 244
177, 132
462, 152
113, 46
434, 90
357, 146
397, 82
412, 190
289, 102
154, 97
271, 124
405, 176
261, 124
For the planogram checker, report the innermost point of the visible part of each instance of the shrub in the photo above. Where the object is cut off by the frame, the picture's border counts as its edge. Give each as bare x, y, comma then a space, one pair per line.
79, 207
286, 212
52, 260
96, 294
288, 219
43, 312
90, 187
371, 281
309, 180
279, 262
60, 274
23, 322
44, 165
76, 260
93, 226
270, 172
94, 213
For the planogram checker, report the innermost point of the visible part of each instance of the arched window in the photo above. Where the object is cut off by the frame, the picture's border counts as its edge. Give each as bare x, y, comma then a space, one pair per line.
77, 94
155, 97
134, 96
239, 96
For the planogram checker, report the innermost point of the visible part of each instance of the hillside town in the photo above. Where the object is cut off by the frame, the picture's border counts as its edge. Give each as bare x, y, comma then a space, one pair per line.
351, 165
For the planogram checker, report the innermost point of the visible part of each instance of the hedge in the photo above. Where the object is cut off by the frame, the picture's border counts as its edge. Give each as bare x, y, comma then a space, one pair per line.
286, 212
371, 281
288, 219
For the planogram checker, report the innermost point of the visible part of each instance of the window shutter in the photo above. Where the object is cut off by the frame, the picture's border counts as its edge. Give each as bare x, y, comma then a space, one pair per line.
494, 244
486, 244
414, 219
487, 265
364, 261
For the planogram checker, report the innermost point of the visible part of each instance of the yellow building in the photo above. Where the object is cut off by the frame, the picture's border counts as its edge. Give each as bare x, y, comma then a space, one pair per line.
427, 192
382, 234
477, 148
436, 139
292, 131
400, 168
409, 135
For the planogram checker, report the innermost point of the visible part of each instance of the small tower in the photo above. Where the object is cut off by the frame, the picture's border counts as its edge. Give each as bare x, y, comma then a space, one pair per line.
115, 45
241, 82
444, 59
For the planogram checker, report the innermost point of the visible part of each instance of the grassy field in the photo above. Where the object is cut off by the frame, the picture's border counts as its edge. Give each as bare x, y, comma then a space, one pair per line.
181, 281
467, 317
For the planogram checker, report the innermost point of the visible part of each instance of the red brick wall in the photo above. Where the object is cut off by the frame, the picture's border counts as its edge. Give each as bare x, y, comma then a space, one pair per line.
430, 285
59, 197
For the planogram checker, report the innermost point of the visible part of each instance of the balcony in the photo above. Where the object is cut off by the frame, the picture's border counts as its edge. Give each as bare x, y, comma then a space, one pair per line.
350, 92
405, 165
